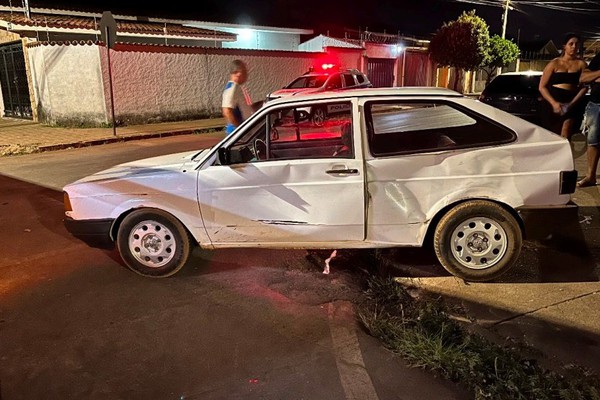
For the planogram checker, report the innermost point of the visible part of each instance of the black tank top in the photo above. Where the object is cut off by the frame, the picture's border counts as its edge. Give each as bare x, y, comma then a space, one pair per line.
572, 78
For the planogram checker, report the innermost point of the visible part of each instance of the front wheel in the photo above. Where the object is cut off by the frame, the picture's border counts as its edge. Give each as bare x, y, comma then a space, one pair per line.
153, 243
478, 240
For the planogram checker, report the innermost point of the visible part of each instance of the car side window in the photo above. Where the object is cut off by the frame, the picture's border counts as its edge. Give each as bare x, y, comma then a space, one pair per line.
360, 79
335, 82
349, 80
406, 127
293, 133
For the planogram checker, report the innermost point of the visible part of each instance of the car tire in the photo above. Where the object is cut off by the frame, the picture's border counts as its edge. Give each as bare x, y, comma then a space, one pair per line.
153, 243
318, 116
478, 240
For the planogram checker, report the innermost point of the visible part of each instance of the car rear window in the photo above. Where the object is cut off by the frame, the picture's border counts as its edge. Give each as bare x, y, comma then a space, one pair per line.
514, 84
360, 79
307, 82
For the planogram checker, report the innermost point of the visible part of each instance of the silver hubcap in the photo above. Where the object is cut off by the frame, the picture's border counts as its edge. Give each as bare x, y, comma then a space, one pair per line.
318, 116
479, 243
152, 244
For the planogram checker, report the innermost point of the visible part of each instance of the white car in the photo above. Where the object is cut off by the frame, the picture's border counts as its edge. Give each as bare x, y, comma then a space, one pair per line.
395, 167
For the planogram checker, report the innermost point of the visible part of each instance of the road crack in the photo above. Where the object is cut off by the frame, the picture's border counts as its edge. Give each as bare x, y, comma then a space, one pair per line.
544, 307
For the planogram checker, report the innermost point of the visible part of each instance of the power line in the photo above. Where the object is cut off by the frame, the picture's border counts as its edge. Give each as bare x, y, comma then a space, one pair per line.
581, 6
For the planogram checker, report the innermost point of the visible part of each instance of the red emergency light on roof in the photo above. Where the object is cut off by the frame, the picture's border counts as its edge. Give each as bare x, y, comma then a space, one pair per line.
327, 66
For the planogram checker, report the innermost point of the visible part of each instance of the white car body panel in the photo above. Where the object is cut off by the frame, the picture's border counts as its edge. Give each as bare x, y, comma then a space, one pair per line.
165, 182
407, 191
390, 201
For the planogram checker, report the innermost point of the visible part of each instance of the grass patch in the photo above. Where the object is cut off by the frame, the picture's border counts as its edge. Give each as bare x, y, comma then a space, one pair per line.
17, 149
421, 328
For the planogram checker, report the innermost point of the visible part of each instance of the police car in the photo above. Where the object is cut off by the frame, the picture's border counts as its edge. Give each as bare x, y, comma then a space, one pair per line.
326, 77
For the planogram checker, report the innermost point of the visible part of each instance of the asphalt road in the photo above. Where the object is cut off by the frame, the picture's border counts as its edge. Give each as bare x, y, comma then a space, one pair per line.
235, 324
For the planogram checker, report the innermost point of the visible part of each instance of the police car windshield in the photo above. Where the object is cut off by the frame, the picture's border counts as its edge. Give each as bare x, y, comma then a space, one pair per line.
312, 81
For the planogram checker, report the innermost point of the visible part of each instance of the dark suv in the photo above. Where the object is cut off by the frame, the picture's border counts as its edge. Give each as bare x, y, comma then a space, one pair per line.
516, 93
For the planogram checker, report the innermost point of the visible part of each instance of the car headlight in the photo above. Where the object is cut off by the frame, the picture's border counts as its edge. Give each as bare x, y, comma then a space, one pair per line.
67, 202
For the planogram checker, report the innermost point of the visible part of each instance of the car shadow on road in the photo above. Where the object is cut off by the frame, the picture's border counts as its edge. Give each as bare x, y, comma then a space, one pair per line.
561, 248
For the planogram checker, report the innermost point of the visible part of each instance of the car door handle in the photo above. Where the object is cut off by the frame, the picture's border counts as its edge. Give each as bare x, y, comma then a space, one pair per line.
346, 171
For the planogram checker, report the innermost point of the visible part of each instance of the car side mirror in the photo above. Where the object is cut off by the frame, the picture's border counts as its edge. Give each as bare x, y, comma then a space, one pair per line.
240, 155
224, 156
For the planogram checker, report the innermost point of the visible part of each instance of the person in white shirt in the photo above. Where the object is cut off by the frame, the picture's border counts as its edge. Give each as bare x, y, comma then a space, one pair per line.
237, 104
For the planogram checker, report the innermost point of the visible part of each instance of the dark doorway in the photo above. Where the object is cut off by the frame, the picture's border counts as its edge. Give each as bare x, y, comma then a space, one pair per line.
381, 71
13, 81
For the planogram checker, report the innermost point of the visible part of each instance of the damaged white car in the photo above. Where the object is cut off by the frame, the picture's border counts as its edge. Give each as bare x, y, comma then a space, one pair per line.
391, 167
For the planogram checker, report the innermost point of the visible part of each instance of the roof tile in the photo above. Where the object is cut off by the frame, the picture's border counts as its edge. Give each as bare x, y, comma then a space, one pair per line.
124, 26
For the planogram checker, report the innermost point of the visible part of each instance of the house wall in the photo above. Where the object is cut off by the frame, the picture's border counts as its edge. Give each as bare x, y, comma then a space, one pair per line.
6, 36
251, 39
376, 50
150, 83
154, 84
67, 84
345, 57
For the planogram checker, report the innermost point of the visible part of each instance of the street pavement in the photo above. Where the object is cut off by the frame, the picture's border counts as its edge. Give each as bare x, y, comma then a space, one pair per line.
550, 301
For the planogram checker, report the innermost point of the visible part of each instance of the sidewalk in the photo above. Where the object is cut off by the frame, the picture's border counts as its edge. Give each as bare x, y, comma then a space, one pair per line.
23, 136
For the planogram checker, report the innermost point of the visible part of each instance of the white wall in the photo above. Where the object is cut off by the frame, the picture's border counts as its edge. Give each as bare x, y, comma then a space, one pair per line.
150, 83
157, 86
67, 84
252, 39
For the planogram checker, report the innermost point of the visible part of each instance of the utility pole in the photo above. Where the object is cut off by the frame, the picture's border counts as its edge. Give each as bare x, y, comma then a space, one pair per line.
505, 18
504, 21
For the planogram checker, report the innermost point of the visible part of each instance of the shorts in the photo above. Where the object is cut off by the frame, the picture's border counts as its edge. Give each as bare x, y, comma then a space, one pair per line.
591, 124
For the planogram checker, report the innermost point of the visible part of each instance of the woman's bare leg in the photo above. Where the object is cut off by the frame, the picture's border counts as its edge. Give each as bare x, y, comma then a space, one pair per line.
567, 128
593, 154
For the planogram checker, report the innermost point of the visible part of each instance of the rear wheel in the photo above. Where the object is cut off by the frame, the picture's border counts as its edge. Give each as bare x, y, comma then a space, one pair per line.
153, 243
478, 240
318, 116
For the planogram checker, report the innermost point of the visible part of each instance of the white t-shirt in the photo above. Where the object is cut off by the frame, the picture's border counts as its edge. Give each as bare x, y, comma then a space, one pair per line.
236, 97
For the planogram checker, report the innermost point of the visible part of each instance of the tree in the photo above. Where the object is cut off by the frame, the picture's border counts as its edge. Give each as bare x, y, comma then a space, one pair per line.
462, 44
501, 53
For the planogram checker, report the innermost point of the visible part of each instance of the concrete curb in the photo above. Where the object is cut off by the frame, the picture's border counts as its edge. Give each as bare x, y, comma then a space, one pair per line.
116, 139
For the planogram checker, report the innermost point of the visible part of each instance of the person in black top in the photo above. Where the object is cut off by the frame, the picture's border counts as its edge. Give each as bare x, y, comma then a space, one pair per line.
561, 90
591, 121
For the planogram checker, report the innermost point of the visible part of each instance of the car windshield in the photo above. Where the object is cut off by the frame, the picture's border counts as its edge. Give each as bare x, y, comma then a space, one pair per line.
307, 82
514, 84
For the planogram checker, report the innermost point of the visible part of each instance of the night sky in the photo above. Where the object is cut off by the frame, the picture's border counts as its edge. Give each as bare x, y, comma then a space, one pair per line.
409, 17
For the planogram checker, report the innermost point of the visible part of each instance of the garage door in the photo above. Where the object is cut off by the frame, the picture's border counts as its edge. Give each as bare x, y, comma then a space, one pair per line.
381, 71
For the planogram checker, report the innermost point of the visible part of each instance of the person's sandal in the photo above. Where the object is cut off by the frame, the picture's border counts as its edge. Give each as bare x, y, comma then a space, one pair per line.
585, 182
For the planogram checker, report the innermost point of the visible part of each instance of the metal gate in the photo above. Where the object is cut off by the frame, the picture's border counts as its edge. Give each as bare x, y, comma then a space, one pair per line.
13, 81
381, 71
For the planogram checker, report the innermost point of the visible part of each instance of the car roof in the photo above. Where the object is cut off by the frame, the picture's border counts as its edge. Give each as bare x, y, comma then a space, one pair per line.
332, 72
372, 92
